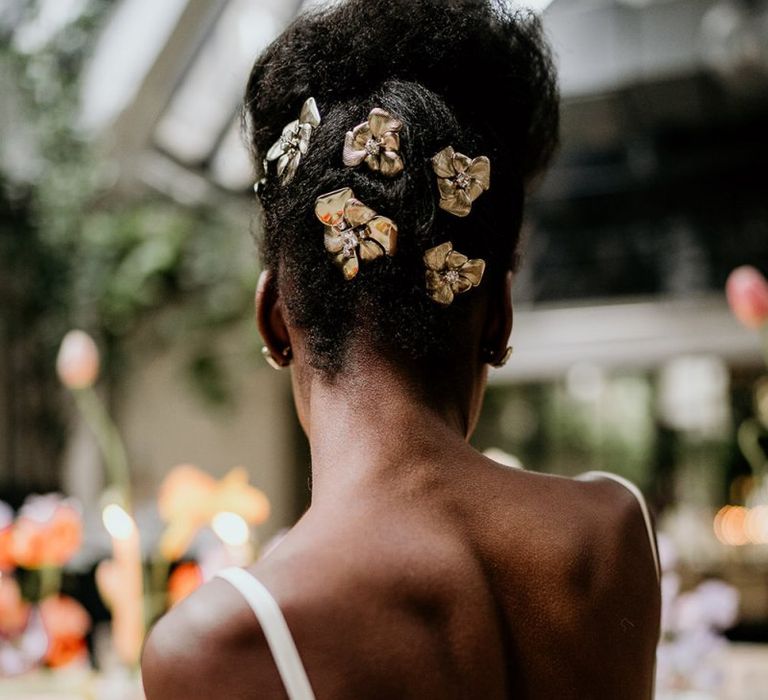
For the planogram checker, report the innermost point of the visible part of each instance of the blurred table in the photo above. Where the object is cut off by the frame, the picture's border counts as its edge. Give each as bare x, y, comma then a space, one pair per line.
744, 668
746, 672
72, 684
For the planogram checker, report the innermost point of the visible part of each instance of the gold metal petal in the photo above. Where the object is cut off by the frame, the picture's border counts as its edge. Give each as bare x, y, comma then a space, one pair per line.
370, 250
382, 121
473, 271
391, 163
384, 232
446, 186
305, 132
480, 171
442, 294
288, 165
442, 163
282, 162
350, 155
461, 285
462, 197
461, 162
329, 208
356, 213
361, 134
455, 260
310, 113
290, 130
349, 266
390, 141
435, 257
434, 280
474, 190
334, 241
373, 163
458, 203
276, 150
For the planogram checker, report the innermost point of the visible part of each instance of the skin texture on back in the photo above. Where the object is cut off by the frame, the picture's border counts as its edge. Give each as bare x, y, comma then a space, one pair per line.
473, 581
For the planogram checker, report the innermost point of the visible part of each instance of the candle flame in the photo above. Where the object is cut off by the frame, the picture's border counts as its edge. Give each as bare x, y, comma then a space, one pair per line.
231, 528
739, 525
119, 524
756, 524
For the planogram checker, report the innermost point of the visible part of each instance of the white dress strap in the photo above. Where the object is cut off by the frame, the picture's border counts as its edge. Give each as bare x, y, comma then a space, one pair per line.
275, 630
626, 483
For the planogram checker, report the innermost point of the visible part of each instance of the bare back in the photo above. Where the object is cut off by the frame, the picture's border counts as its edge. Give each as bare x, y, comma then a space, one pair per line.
483, 583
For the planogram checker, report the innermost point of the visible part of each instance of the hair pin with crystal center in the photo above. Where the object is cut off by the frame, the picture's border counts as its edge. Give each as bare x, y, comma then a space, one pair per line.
375, 142
294, 142
450, 273
354, 231
460, 179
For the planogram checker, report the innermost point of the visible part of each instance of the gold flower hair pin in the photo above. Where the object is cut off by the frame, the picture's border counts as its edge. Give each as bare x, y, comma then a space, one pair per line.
354, 231
294, 142
377, 142
460, 179
450, 273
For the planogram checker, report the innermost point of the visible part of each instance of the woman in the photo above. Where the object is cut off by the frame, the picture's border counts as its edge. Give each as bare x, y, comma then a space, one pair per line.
398, 137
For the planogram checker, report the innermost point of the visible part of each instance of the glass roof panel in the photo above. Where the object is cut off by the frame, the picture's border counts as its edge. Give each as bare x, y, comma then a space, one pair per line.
210, 93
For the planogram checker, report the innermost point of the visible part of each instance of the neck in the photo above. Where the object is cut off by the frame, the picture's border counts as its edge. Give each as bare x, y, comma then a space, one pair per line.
375, 424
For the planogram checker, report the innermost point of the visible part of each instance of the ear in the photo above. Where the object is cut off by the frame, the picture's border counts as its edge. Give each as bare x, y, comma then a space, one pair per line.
271, 320
498, 325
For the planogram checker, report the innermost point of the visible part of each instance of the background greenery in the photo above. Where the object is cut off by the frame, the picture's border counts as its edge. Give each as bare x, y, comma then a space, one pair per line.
80, 249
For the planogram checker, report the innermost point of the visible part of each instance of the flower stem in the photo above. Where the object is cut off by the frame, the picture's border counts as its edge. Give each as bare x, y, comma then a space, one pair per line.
748, 437
49, 581
109, 441
157, 588
764, 341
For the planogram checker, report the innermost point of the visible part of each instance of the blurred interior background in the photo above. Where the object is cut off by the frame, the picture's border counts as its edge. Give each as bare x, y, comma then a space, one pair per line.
126, 209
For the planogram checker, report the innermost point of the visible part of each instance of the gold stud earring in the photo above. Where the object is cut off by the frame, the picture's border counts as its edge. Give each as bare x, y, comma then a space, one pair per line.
272, 361
498, 364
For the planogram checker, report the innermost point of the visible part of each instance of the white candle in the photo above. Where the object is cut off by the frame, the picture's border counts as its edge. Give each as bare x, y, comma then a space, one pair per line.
124, 583
234, 532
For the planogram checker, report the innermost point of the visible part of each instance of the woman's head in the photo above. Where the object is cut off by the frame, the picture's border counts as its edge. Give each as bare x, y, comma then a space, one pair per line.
463, 73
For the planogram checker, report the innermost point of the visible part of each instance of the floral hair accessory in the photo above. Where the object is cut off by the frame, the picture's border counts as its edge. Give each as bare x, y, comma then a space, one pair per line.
293, 142
354, 231
376, 142
450, 273
461, 180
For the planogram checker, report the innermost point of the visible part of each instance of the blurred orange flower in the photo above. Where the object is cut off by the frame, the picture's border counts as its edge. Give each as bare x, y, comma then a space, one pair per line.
185, 578
189, 498
14, 610
48, 532
66, 623
747, 292
7, 561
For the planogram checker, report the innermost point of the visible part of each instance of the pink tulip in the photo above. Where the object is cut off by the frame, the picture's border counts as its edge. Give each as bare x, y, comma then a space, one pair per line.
747, 292
78, 360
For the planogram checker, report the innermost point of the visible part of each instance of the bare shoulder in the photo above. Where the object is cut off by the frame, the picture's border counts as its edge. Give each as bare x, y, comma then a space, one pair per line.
621, 526
598, 519
605, 558
209, 645
358, 618
574, 573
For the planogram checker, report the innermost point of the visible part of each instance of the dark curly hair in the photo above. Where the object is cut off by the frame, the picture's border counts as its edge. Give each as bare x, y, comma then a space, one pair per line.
467, 73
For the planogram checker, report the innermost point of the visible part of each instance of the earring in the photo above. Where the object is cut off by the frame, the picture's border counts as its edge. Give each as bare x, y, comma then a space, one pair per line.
498, 364
287, 355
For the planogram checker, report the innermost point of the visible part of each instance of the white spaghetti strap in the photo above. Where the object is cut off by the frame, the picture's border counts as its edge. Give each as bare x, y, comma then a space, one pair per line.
626, 483
275, 630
